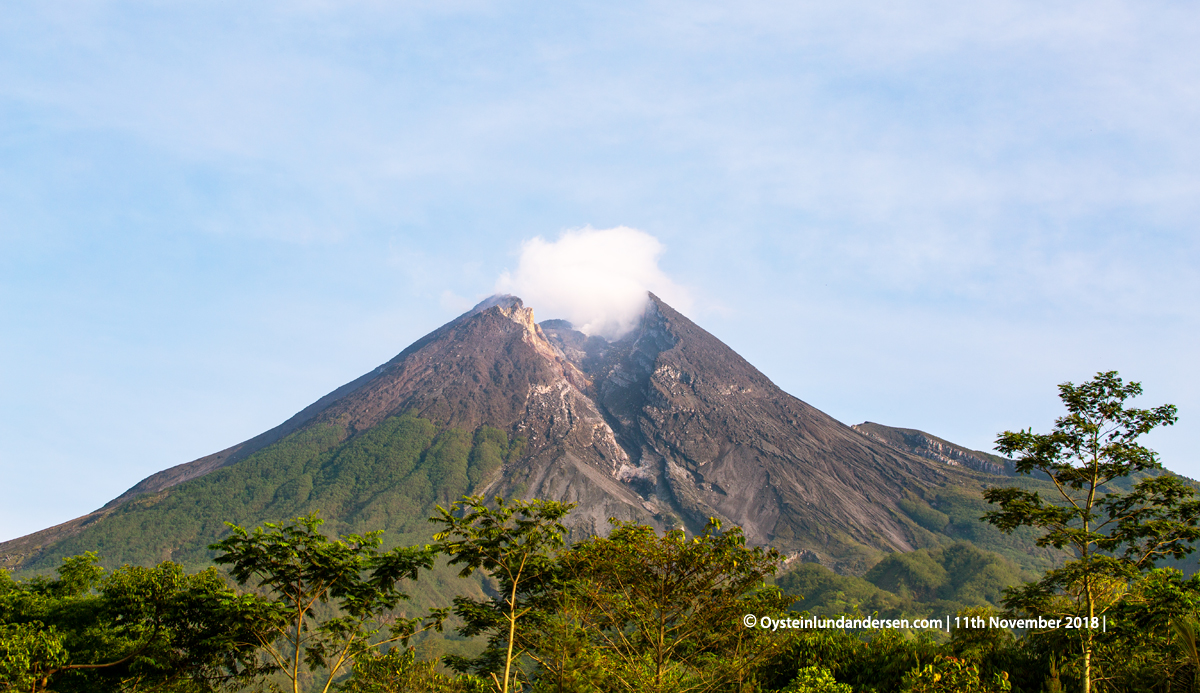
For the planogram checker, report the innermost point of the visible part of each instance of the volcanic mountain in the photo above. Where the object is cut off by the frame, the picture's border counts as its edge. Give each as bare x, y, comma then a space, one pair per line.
665, 426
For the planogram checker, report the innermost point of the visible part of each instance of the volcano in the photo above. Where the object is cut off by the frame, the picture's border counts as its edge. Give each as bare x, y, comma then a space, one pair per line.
666, 426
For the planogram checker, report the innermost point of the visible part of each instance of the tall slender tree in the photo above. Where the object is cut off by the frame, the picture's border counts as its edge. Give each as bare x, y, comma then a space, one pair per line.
1113, 535
516, 542
301, 568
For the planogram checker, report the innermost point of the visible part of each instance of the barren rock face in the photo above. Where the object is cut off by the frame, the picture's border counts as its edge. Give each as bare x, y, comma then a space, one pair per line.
666, 425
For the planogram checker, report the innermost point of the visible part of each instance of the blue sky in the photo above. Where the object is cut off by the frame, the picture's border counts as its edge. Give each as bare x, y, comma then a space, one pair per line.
211, 214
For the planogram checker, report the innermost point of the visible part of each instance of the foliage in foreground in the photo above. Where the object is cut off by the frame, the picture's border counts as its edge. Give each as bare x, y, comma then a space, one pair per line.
662, 612
134, 629
638, 610
1112, 535
633, 611
643, 611
514, 543
299, 569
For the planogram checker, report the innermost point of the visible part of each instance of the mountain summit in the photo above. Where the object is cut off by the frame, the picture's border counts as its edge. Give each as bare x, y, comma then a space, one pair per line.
666, 426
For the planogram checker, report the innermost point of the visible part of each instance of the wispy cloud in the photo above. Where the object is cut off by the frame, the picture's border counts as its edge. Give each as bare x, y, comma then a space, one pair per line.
597, 279
848, 180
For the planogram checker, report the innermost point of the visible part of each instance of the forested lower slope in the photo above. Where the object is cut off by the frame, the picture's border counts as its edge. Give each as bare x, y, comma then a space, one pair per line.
926, 582
389, 477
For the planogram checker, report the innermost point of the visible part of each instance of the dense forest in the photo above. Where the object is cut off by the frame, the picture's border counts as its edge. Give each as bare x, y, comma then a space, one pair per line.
288, 606
633, 611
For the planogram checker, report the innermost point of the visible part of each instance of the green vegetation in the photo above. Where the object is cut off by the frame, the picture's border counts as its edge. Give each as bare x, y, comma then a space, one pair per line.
299, 568
825, 593
514, 543
390, 476
653, 613
634, 611
950, 514
926, 582
134, 629
1113, 535
960, 575
637, 610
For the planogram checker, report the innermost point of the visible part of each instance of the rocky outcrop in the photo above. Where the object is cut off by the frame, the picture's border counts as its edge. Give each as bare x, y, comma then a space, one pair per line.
931, 447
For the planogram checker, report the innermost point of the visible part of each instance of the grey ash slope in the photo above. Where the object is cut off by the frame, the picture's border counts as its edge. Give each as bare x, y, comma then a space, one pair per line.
707, 434
666, 425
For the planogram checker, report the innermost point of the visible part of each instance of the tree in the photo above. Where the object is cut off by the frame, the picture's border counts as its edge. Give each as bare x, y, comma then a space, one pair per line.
398, 671
301, 568
950, 675
155, 629
1147, 642
515, 543
994, 651
1112, 535
815, 679
665, 612
30, 655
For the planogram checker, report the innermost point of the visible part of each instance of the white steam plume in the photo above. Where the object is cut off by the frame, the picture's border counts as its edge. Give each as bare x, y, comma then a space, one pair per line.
596, 279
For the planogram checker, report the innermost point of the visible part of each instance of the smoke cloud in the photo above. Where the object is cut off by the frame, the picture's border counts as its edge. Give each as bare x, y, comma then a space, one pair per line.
596, 279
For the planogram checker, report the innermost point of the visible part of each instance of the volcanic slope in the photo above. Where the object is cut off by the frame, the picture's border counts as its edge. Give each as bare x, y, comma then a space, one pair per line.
666, 426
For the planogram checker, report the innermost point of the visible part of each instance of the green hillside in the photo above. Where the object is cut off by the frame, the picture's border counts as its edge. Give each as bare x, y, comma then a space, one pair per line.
951, 514
918, 583
389, 477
